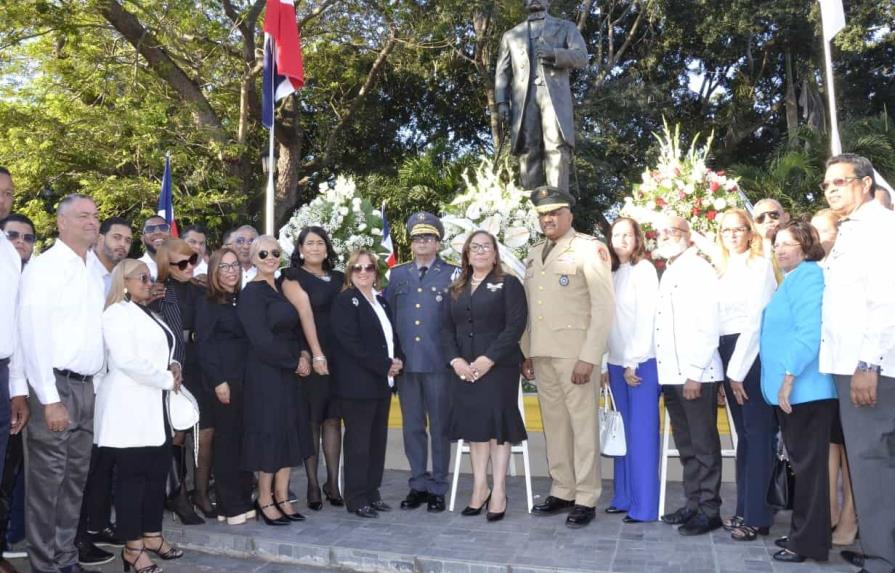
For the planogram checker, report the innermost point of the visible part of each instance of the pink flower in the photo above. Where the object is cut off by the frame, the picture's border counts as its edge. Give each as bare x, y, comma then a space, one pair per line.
711, 215
714, 186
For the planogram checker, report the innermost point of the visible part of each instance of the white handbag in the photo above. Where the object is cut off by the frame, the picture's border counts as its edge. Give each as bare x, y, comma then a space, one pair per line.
183, 409
612, 427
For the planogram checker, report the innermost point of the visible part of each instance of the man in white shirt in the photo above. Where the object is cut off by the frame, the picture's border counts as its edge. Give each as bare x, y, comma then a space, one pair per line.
61, 343
240, 240
112, 246
858, 347
155, 231
686, 337
19, 229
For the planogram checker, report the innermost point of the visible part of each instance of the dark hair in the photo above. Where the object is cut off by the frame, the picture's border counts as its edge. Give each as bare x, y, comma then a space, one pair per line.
805, 235
216, 292
296, 260
195, 229
639, 249
860, 164
4, 171
17, 218
466, 267
107, 225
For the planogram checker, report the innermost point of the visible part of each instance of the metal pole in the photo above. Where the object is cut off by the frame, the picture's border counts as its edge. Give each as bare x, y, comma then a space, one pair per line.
835, 143
271, 161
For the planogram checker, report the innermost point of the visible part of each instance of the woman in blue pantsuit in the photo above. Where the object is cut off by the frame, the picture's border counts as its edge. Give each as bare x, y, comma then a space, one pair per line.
632, 374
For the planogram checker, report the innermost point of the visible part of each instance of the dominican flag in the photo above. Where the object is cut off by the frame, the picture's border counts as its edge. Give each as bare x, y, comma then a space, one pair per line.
166, 199
392, 259
283, 69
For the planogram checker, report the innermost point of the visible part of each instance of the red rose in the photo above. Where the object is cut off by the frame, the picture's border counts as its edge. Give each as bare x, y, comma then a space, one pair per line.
711, 215
714, 186
660, 202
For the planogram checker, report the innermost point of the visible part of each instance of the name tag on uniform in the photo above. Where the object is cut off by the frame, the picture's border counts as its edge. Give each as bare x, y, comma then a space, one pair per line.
566, 258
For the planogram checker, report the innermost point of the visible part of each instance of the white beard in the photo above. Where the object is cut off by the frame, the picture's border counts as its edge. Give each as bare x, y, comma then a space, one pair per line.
670, 250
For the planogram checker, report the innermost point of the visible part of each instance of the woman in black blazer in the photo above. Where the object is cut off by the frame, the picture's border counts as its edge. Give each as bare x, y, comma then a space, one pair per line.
368, 360
486, 319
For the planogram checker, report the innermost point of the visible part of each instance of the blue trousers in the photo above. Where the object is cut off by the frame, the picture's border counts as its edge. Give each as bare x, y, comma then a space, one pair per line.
425, 404
756, 425
637, 473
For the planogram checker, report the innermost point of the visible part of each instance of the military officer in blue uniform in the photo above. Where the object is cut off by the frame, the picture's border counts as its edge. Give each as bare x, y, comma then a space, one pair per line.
418, 296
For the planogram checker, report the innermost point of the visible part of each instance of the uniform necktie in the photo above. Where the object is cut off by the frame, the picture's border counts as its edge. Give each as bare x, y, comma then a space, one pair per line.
423, 271
547, 248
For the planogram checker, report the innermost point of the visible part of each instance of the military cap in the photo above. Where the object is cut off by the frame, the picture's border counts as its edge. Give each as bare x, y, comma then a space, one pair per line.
546, 199
424, 223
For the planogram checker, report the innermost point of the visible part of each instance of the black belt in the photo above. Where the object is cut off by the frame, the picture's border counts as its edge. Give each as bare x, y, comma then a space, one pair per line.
73, 375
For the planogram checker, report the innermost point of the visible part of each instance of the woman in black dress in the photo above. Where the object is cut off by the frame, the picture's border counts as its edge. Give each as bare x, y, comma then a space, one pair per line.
312, 272
223, 347
276, 430
176, 261
369, 360
486, 319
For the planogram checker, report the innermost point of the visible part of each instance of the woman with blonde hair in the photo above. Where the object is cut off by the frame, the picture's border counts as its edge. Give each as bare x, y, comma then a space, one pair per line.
747, 283
130, 418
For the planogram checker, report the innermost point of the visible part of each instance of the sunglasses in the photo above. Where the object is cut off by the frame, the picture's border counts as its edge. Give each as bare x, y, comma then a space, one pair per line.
190, 262
15, 236
160, 228
772, 215
369, 268
839, 182
264, 254
143, 278
242, 241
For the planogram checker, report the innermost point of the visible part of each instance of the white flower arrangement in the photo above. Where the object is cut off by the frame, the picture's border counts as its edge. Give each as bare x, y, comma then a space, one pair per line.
494, 203
350, 220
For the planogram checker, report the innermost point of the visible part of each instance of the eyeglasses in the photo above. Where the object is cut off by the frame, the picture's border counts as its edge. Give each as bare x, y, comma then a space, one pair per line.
264, 254
368, 268
787, 245
424, 239
773, 215
242, 241
838, 182
190, 262
480, 248
15, 236
734, 230
143, 278
228, 267
672, 231
160, 228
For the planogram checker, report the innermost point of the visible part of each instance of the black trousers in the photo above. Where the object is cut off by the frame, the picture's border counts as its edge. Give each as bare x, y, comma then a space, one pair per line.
366, 435
140, 489
756, 425
15, 460
806, 434
232, 484
694, 424
96, 507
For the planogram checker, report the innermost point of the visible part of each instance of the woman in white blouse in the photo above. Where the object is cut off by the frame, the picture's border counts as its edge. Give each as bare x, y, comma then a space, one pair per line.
747, 283
632, 373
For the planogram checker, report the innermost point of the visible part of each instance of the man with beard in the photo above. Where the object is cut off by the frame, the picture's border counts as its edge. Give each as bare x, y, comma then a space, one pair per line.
112, 246
155, 231
688, 327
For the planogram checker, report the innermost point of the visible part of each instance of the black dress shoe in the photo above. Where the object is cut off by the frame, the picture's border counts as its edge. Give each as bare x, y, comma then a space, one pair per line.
105, 537
552, 505
679, 517
854, 558
613, 510
435, 503
366, 511
787, 556
581, 515
381, 506
414, 499
699, 524
90, 554
629, 519
782, 542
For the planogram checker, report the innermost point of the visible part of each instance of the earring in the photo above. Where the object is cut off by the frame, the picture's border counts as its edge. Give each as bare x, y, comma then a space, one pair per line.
127, 295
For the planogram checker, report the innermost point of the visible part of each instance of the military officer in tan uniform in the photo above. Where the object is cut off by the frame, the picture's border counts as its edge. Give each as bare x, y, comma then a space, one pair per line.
569, 286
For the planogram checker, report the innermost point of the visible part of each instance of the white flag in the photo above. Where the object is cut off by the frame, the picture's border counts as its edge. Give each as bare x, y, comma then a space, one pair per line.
833, 17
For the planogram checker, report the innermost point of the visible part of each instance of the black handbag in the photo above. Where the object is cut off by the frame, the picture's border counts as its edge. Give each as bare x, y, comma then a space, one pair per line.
780, 490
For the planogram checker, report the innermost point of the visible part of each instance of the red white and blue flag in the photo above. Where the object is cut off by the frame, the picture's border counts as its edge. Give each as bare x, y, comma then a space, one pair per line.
166, 199
392, 259
283, 68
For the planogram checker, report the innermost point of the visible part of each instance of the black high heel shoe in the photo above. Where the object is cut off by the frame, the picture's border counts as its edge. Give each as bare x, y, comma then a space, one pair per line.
333, 501
207, 510
170, 554
497, 516
128, 564
289, 516
259, 510
314, 502
469, 510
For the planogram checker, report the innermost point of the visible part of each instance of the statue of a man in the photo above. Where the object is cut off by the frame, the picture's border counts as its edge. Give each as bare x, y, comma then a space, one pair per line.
532, 82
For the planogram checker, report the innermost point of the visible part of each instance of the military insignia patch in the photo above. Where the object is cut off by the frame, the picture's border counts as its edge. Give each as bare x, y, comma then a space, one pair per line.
564, 280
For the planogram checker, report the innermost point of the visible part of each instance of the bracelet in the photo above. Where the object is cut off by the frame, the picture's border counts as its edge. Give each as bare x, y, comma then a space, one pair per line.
320, 358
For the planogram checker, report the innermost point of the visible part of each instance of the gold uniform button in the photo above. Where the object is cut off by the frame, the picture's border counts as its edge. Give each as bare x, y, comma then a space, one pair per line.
540, 318
543, 273
540, 302
540, 288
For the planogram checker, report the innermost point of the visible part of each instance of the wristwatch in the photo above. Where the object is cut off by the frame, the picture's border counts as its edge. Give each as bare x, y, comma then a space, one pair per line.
865, 367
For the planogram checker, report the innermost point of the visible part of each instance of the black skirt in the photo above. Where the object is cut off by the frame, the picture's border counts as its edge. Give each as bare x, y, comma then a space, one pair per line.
488, 409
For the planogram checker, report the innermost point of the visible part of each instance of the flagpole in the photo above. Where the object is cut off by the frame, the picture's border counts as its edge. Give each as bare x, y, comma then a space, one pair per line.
835, 142
271, 160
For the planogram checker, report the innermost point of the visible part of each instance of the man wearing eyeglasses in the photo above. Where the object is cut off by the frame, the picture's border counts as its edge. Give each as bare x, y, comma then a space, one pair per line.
418, 296
155, 231
858, 347
240, 240
19, 230
571, 304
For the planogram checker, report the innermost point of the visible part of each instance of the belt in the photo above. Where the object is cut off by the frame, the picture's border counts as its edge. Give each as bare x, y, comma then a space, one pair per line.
73, 375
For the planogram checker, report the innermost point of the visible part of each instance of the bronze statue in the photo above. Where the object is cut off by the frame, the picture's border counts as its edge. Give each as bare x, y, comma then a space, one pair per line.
532, 81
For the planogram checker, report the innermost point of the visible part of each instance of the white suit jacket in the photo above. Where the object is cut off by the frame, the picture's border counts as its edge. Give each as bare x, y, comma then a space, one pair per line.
129, 397
688, 323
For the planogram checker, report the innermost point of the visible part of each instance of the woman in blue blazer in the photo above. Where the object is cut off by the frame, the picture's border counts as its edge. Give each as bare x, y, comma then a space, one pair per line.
805, 398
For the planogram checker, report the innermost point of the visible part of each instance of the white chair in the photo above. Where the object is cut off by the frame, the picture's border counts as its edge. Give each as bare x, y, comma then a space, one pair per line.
522, 448
667, 452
